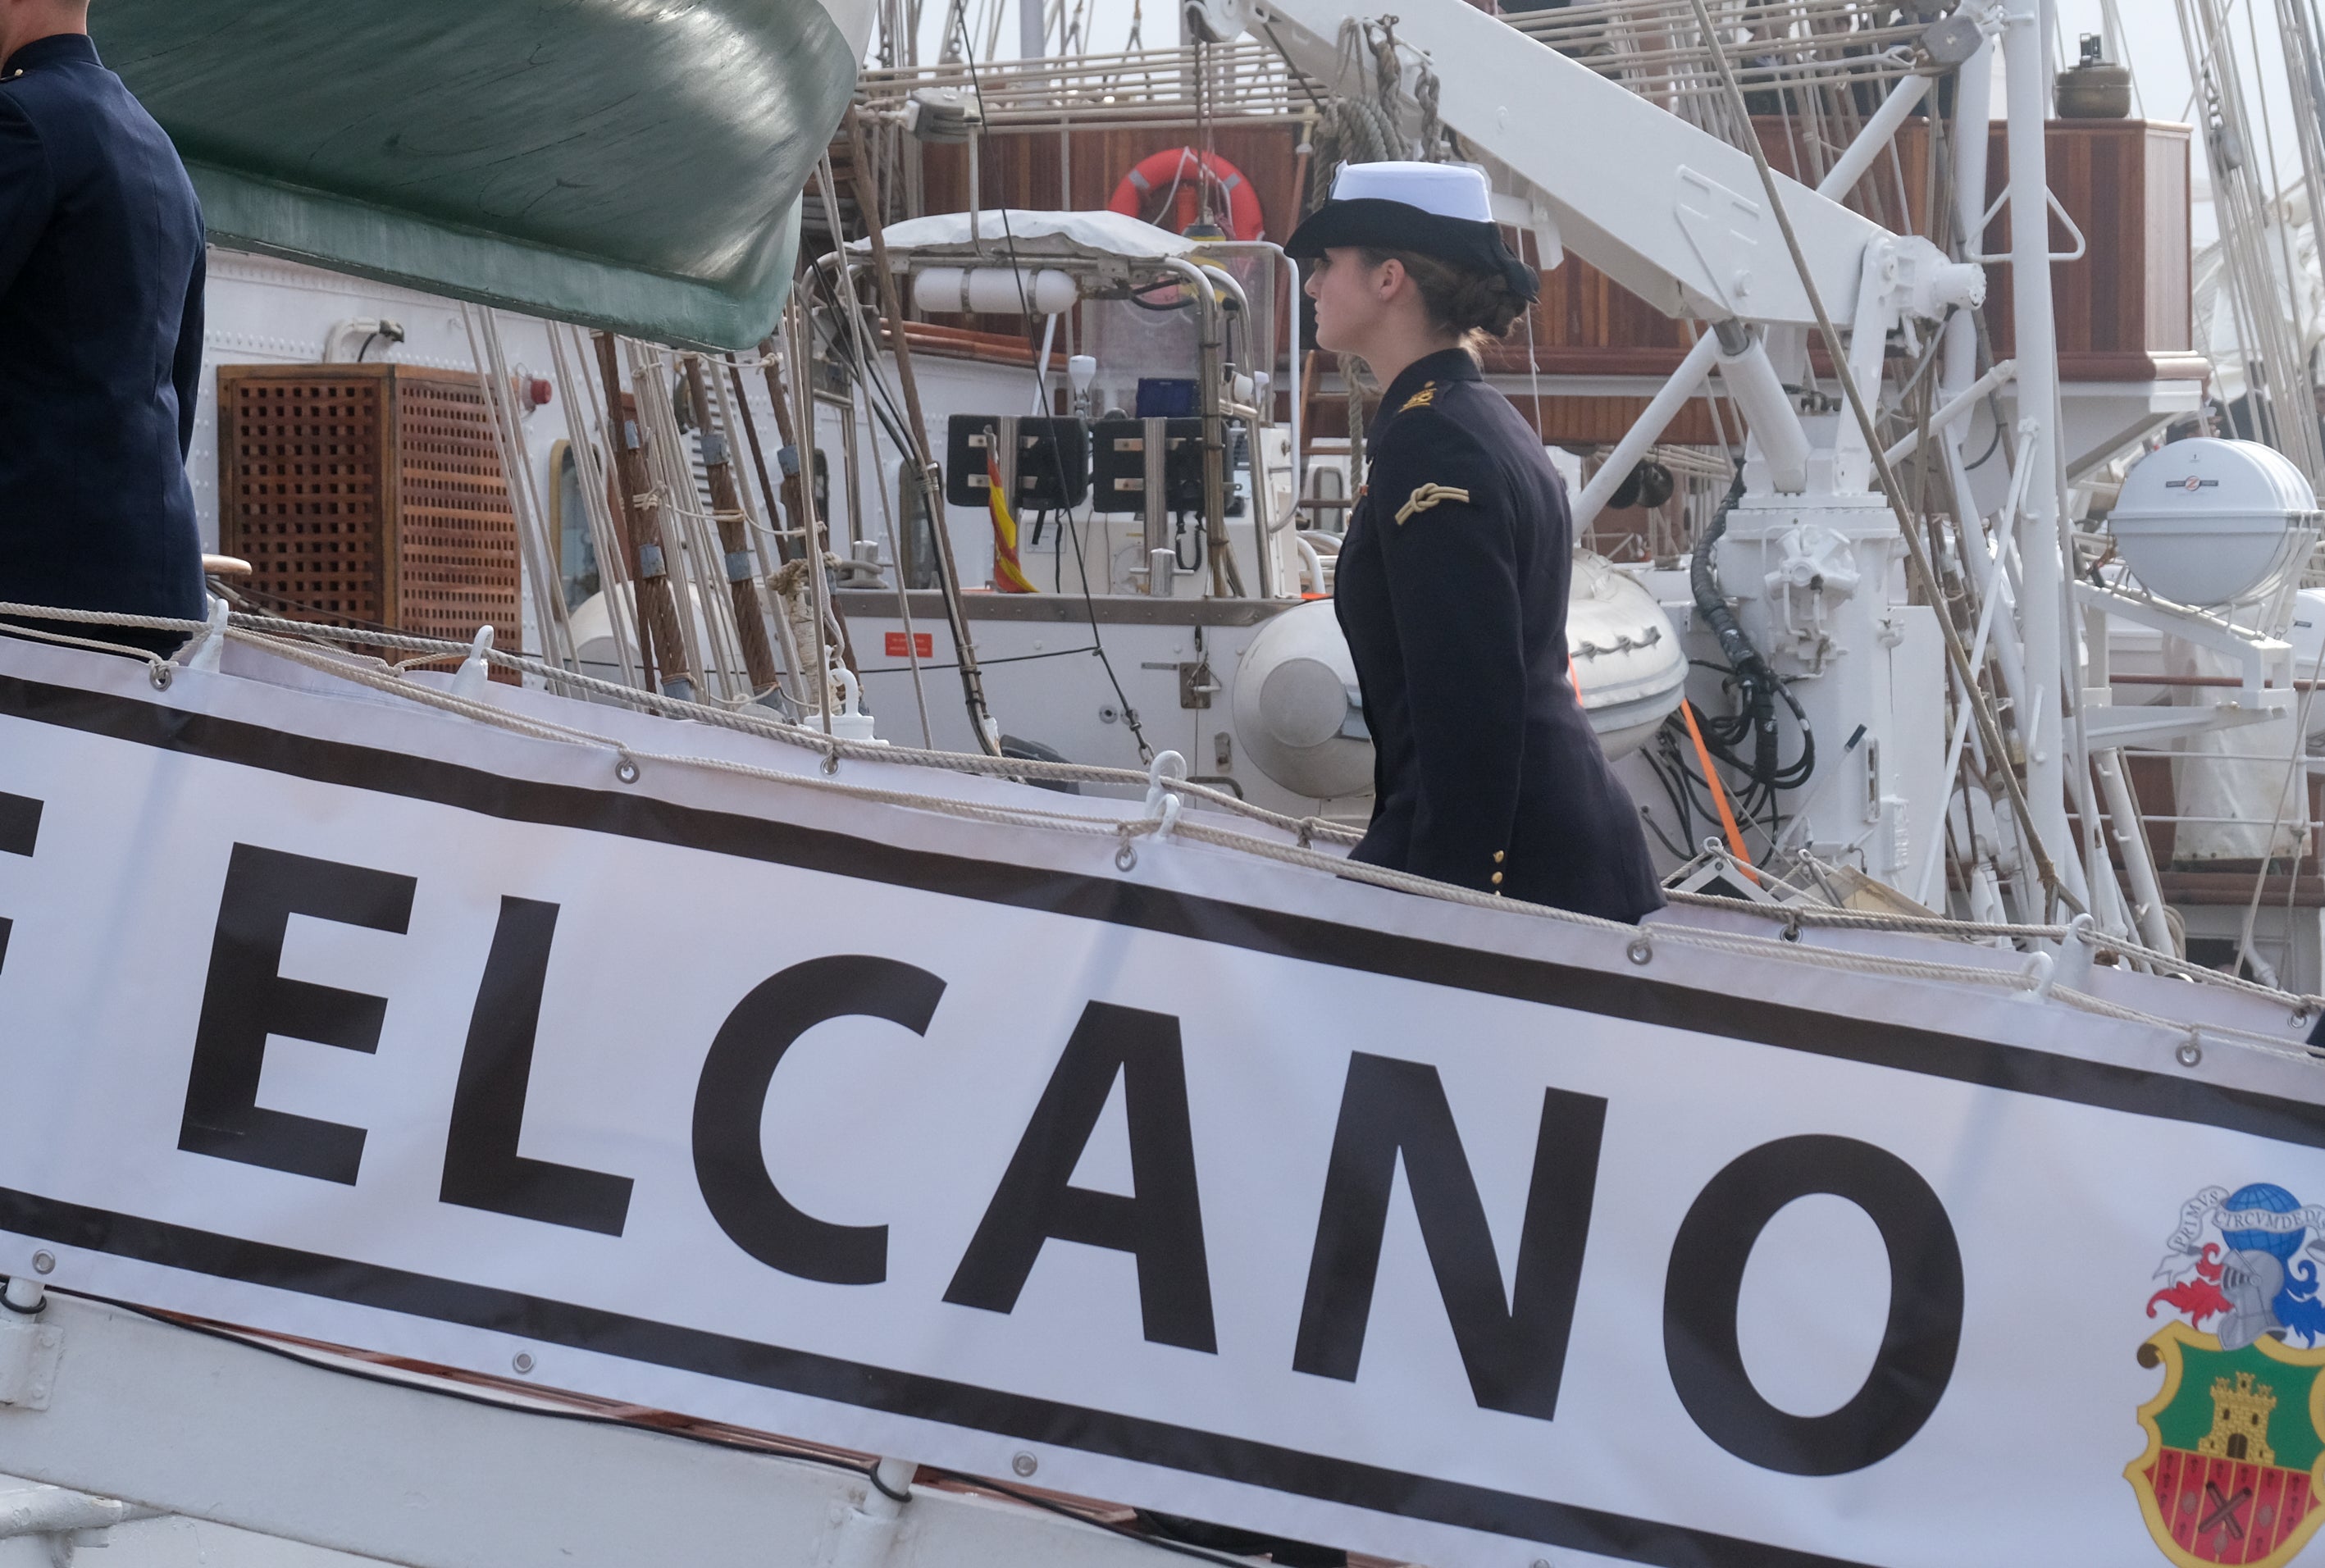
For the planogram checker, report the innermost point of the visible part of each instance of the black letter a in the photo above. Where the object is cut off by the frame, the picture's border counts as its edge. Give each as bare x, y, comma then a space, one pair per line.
1163, 1226
1514, 1354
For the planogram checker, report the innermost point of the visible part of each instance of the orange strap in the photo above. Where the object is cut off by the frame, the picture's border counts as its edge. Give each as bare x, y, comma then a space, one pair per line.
1718, 794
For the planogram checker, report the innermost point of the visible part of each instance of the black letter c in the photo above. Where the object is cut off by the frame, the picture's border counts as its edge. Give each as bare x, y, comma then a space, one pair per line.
1916, 1359
732, 1097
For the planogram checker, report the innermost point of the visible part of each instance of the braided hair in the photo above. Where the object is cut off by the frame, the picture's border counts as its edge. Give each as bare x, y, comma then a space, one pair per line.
1477, 307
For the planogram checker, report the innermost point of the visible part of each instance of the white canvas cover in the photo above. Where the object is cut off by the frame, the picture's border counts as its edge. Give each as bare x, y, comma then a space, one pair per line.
1036, 235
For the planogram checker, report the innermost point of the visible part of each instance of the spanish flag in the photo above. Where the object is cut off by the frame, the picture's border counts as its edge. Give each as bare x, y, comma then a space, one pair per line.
1008, 575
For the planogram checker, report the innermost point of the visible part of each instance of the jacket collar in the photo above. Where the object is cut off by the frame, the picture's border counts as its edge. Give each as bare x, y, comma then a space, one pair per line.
1445, 365
57, 48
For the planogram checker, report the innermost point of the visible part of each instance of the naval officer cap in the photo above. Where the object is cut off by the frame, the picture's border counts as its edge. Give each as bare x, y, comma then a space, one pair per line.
1444, 210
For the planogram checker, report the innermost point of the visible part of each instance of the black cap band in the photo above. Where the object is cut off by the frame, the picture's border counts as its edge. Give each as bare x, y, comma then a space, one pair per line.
1378, 224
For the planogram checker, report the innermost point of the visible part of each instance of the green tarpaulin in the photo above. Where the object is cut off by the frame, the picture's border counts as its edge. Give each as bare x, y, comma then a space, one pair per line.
629, 163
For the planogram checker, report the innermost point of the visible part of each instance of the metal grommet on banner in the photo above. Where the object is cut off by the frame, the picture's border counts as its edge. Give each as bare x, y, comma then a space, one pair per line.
44, 1263
1024, 1464
1640, 951
162, 674
523, 1362
627, 770
2191, 1050
1791, 932
1126, 859
830, 760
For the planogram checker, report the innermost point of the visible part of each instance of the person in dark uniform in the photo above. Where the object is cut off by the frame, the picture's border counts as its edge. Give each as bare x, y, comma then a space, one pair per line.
101, 275
1451, 584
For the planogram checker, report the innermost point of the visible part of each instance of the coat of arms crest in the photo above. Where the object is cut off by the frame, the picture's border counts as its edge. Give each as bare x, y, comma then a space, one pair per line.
2234, 1466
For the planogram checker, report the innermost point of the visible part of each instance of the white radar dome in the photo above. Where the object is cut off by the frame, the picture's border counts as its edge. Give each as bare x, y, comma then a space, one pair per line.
2209, 522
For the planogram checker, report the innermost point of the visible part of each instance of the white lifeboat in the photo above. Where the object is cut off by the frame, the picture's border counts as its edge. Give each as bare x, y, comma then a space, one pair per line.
1299, 718
1629, 669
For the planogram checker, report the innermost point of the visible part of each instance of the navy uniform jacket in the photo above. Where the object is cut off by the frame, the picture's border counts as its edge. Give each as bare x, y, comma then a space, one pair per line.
101, 273
1451, 590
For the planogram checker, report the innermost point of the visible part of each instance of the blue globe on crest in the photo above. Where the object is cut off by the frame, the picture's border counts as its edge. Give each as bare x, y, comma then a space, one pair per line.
2274, 1199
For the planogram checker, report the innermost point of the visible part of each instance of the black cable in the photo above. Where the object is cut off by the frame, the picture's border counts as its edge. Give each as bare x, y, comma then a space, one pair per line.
1993, 405
1756, 685
1057, 454
1005, 659
473, 1397
1672, 789
1178, 530
870, 1472
1674, 850
1679, 810
1050, 1505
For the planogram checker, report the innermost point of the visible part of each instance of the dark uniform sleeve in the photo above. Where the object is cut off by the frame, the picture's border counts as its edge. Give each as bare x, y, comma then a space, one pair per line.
185, 369
27, 190
1453, 588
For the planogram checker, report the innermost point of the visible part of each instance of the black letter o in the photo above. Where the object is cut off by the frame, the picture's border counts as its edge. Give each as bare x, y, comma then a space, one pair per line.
1916, 1360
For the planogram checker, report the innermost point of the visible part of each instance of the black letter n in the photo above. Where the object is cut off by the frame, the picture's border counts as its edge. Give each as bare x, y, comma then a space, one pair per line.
245, 1000
1161, 1227
1514, 1347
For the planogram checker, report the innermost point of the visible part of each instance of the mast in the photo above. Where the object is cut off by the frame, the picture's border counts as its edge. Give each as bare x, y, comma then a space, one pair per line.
2042, 595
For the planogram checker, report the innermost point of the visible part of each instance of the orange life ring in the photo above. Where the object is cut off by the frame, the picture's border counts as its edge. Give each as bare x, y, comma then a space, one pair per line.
1170, 169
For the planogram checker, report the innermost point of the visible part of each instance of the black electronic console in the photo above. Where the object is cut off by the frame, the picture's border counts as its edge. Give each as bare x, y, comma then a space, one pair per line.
1052, 460
1118, 465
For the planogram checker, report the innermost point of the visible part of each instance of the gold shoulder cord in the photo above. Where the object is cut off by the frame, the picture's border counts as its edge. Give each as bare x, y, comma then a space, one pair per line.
1429, 496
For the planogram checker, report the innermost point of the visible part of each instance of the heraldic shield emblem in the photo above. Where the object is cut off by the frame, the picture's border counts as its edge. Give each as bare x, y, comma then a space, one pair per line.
2234, 1466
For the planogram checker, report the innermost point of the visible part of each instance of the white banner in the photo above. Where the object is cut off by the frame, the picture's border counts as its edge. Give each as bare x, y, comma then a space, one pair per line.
1215, 1186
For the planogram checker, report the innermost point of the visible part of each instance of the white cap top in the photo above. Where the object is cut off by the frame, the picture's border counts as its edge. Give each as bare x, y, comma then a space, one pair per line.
1446, 190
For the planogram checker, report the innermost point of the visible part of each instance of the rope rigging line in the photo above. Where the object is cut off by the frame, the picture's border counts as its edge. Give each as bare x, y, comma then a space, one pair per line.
287, 639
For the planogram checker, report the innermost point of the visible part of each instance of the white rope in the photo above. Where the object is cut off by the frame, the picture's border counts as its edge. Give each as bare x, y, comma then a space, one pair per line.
277, 635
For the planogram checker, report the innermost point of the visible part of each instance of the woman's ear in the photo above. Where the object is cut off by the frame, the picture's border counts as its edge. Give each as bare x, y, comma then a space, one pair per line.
1388, 279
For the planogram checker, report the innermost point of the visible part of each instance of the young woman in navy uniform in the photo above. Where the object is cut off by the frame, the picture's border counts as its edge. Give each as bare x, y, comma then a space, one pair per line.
101, 280
1451, 584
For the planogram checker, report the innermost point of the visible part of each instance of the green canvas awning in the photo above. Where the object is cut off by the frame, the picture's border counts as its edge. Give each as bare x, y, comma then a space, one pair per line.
629, 163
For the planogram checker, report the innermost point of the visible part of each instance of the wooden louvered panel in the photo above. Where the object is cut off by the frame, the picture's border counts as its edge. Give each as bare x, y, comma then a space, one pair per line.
369, 494
457, 546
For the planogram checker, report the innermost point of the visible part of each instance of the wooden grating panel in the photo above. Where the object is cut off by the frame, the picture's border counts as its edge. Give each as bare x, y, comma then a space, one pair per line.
369, 494
302, 461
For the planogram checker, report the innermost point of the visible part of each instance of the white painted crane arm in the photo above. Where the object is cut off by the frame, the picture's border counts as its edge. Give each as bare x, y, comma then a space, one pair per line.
1668, 210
